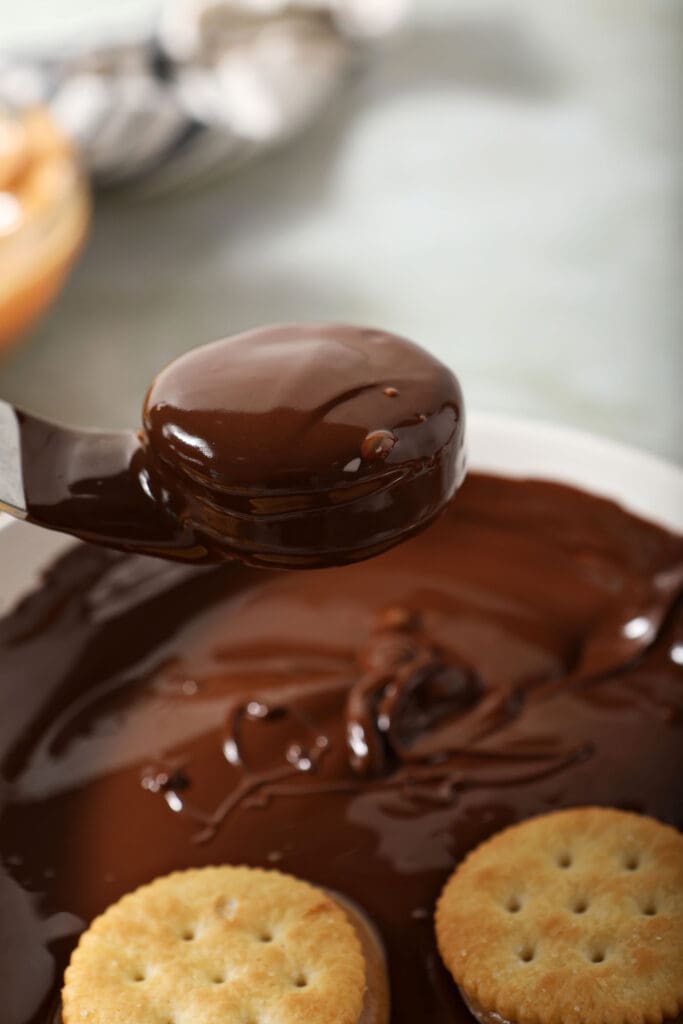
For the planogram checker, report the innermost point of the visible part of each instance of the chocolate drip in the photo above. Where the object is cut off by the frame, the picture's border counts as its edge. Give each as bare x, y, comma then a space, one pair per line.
524, 654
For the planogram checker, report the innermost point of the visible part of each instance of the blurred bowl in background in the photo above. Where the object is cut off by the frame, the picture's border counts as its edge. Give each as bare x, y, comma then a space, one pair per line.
192, 88
44, 216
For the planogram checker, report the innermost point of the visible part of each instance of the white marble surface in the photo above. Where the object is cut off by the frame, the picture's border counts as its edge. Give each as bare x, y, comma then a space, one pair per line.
504, 186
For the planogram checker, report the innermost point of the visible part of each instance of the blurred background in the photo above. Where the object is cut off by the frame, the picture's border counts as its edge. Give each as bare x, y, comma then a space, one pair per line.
500, 180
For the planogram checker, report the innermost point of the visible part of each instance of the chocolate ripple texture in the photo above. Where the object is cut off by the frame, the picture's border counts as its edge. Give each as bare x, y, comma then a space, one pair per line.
362, 727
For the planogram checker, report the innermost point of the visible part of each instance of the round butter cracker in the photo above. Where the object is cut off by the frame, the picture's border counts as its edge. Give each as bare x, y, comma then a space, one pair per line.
217, 945
574, 917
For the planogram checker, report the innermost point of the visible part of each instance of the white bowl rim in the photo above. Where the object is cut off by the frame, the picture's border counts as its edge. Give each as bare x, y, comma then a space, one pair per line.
642, 483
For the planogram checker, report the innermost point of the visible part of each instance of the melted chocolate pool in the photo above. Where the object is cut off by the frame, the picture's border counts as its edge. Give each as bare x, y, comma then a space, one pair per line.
361, 727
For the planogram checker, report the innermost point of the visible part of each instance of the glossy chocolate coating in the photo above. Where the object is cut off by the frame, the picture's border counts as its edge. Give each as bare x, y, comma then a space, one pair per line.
292, 446
361, 727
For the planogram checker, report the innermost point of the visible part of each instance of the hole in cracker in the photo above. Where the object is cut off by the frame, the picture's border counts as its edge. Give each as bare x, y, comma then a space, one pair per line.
564, 860
139, 975
632, 862
300, 981
266, 936
580, 905
188, 934
527, 953
513, 905
597, 956
650, 908
218, 978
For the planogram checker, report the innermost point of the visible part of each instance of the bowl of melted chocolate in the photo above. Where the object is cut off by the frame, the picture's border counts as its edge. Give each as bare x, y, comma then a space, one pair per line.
494, 649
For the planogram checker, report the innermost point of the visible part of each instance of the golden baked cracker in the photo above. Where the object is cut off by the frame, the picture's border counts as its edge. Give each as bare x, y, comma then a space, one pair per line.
218, 945
574, 917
